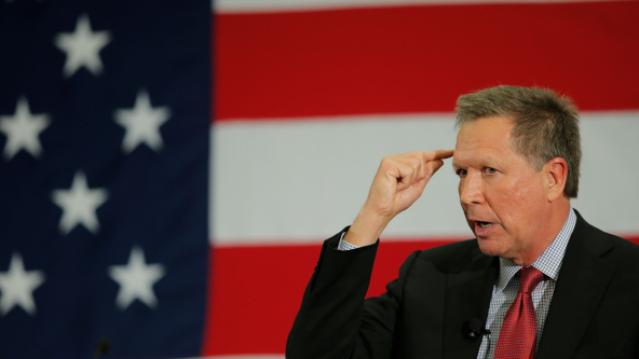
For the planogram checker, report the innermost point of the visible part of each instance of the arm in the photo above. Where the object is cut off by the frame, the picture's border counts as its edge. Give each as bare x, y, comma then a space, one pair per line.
400, 180
334, 320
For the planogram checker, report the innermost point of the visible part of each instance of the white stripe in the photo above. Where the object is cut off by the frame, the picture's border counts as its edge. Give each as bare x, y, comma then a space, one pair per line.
302, 181
609, 183
245, 6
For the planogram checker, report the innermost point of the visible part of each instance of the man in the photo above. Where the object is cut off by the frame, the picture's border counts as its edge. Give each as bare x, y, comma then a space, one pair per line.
537, 280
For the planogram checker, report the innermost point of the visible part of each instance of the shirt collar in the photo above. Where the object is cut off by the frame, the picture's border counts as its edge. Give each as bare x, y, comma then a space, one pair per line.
550, 260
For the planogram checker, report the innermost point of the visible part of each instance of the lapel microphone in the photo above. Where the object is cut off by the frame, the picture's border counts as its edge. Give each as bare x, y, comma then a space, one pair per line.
102, 348
474, 328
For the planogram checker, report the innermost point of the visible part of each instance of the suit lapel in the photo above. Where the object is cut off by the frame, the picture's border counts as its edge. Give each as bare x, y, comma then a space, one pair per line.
467, 297
582, 281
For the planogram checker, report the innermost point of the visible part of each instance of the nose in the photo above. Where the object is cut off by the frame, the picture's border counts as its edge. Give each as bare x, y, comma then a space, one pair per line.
471, 189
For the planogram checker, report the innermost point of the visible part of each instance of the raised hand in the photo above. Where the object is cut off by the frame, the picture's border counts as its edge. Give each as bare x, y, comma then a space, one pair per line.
399, 182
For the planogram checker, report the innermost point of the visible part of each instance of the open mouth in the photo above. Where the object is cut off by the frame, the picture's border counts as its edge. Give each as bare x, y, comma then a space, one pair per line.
482, 228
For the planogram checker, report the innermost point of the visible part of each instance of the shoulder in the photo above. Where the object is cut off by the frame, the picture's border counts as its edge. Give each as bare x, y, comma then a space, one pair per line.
623, 253
601, 240
609, 247
452, 258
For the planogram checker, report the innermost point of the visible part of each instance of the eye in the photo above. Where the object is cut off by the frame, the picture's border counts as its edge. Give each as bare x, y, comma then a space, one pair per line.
489, 170
461, 172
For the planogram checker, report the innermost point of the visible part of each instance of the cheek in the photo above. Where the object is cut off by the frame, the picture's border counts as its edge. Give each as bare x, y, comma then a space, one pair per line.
520, 195
523, 190
513, 201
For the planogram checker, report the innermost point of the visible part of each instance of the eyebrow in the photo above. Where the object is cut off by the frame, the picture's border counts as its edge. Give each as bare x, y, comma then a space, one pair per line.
487, 160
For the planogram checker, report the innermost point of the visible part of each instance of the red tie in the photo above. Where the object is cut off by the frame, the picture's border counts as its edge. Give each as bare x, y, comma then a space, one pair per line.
519, 330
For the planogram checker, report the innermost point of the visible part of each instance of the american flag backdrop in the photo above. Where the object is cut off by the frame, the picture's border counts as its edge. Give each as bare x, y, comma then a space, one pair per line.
104, 131
169, 169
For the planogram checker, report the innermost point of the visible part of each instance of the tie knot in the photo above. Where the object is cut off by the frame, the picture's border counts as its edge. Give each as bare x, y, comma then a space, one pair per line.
529, 277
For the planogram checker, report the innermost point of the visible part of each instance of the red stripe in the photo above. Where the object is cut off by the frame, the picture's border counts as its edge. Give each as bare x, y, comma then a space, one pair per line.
419, 59
256, 291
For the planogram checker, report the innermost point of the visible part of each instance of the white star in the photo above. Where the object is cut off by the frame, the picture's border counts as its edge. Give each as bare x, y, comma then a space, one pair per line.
82, 47
79, 204
17, 286
22, 130
142, 123
136, 280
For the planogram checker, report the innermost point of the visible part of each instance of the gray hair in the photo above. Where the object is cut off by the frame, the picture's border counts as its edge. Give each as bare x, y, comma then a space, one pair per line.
546, 125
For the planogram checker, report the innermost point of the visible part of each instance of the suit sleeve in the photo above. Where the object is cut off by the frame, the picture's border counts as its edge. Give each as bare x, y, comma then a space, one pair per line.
335, 320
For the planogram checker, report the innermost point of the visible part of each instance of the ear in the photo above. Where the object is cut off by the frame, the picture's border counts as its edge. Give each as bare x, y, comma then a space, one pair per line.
555, 176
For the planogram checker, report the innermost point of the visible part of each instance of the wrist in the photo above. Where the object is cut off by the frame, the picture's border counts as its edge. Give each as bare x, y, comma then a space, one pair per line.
366, 229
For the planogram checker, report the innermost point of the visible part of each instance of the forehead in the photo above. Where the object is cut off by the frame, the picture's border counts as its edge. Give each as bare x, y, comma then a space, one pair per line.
485, 139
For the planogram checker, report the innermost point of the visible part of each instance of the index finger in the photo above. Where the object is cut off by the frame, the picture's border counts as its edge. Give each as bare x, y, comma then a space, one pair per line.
437, 155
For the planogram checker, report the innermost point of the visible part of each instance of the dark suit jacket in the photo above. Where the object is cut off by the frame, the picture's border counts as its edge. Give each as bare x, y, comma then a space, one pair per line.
594, 311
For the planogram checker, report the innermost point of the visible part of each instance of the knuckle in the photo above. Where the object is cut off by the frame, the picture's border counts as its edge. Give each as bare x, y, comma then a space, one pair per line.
387, 161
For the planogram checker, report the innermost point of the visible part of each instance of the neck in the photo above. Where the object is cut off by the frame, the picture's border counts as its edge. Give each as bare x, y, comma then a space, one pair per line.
552, 224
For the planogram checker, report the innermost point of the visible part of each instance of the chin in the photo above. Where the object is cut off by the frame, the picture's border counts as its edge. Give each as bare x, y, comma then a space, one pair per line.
489, 247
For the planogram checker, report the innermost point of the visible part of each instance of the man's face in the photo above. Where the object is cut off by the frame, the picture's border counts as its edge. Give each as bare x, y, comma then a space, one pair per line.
502, 195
